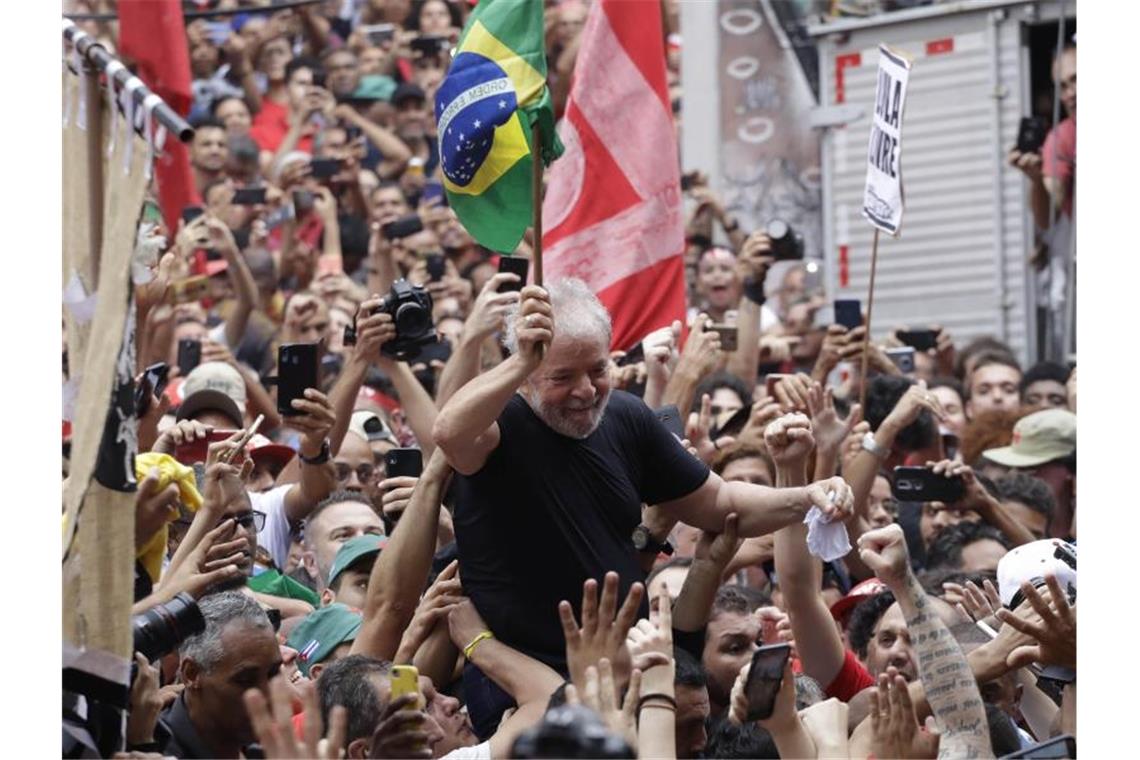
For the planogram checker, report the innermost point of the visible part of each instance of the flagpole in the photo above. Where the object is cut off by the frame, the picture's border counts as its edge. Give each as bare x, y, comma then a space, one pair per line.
867, 327
536, 159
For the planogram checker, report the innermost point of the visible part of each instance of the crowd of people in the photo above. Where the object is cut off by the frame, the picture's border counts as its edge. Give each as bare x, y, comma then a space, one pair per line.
495, 536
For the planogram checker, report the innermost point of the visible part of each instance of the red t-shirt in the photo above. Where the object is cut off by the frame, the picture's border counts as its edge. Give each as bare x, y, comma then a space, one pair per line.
271, 125
851, 679
1059, 158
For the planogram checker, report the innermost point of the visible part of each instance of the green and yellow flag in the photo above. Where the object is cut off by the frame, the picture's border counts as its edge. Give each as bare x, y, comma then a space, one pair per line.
494, 93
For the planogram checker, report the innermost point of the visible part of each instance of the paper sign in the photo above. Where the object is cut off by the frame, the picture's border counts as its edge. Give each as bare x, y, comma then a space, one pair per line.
883, 194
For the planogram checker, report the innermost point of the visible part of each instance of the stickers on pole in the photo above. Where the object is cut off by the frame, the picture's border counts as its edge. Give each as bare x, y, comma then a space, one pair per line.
883, 194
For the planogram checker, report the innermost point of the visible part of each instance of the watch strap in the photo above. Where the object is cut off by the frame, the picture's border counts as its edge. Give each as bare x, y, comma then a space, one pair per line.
321, 458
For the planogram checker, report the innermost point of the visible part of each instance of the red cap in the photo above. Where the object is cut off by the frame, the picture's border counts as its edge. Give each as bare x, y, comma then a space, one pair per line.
860, 592
217, 266
261, 448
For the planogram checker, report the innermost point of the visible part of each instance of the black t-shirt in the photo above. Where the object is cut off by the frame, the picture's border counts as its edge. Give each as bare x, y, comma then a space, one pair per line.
546, 512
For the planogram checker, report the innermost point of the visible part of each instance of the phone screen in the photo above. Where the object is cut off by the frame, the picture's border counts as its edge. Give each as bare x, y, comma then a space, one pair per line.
297, 368
515, 265
189, 355
436, 266
764, 680
323, 168
249, 196
919, 340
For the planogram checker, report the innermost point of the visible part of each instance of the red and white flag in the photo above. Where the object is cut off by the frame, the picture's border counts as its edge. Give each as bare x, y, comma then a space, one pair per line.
612, 210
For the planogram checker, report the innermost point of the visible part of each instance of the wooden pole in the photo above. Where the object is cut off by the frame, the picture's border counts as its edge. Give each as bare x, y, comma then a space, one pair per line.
536, 159
94, 107
867, 326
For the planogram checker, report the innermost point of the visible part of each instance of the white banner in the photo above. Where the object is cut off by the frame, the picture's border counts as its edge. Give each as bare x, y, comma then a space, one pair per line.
883, 194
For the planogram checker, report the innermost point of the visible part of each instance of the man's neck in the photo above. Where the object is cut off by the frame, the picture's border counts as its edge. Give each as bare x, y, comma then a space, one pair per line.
203, 177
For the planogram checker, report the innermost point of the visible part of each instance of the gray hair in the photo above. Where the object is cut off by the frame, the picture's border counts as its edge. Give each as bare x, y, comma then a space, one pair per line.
220, 610
577, 313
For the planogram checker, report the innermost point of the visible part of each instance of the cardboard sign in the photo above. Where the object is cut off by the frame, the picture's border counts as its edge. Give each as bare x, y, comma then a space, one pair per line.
883, 194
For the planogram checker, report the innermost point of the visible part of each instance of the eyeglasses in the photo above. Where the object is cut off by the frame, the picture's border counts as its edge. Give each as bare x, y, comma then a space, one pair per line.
252, 519
364, 472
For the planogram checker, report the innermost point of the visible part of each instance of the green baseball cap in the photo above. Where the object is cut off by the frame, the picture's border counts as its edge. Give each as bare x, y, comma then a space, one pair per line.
354, 549
321, 632
1038, 438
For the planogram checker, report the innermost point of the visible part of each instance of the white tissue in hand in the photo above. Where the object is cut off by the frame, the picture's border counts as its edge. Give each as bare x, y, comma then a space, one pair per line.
825, 539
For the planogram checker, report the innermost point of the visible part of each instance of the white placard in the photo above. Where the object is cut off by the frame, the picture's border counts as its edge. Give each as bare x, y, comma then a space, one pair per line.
883, 194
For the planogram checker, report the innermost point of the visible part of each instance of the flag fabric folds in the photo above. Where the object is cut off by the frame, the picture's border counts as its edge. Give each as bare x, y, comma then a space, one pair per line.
153, 34
494, 93
613, 204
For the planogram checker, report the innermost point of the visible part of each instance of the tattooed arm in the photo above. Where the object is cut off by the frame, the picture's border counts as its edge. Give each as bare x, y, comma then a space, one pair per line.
951, 689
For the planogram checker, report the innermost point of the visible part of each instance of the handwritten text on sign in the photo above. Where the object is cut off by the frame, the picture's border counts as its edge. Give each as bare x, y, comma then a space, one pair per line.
883, 194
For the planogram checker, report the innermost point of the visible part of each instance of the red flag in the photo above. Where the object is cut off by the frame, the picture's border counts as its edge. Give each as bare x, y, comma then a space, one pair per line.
613, 201
153, 34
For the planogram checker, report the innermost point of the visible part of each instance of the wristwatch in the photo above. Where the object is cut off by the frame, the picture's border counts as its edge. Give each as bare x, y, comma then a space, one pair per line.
870, 445
644, 542
320, 458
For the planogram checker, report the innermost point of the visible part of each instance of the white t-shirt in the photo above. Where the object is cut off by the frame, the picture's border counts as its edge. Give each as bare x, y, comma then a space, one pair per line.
275, 536
476, 752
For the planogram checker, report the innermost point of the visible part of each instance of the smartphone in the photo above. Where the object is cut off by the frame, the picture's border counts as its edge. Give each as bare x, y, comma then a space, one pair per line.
297, 369
302, 202
401, 228
1063, 746
153, 384
670, 417
848, 312
323, 168
378, 34
403, 463
687, 180
190, 289
196, 450
903, 358
728, 336
190, 213
919, 340
189, 355
734, 424
1031, 133
632, 356
515, 265
429, 44
765, 679
405, 679
249, 196
436, 266
921, 484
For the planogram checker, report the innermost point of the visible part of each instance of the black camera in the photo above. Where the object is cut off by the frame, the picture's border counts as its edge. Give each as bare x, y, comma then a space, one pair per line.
570, 731
162, 629
787, 244
410, 308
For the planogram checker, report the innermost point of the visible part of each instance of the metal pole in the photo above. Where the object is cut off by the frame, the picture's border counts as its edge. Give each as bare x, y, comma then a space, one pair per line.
97, 56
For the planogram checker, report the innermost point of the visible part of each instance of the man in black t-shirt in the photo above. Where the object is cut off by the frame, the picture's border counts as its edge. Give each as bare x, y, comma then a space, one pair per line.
554, 467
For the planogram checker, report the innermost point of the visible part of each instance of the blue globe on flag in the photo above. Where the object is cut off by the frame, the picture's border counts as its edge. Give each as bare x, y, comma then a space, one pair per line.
475, 99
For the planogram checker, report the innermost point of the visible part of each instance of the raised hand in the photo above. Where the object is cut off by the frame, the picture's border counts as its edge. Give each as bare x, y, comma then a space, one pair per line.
789, 440
884, 551
488, 314
272, 722
894, 723
602, 633
534, 326
827, 427
1055, 632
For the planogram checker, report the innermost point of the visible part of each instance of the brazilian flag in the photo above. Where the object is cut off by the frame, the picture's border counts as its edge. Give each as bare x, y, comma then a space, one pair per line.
494, 93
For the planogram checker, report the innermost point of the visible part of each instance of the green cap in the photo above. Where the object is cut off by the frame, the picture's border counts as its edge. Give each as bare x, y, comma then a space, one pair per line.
321, 632
354, 549
374, 87
1038, 438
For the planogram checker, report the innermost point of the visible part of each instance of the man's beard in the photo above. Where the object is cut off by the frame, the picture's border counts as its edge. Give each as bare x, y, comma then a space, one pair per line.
570, 425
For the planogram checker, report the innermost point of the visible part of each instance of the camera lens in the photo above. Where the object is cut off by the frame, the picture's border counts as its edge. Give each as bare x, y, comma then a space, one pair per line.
777, 229
162, 629
412, 320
